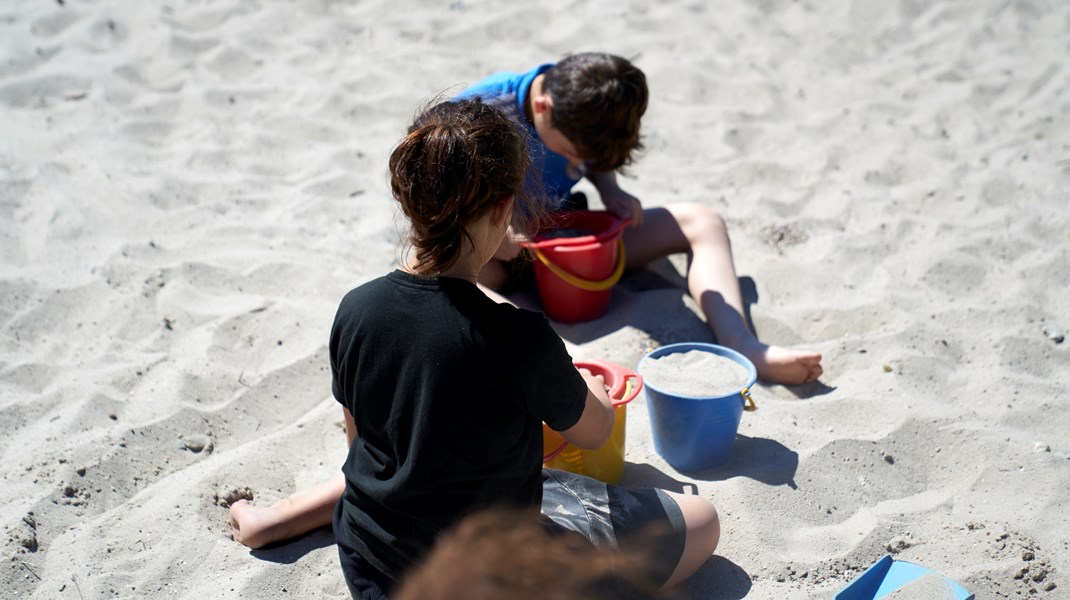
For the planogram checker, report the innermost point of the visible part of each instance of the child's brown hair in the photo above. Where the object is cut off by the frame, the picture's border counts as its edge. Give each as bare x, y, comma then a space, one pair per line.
457, 162
598, 100
497, 553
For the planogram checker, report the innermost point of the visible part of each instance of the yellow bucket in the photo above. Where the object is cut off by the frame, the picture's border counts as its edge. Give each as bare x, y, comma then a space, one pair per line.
607, 462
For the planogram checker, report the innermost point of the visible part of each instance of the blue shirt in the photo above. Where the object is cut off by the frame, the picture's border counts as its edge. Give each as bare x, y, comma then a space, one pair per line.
510, 91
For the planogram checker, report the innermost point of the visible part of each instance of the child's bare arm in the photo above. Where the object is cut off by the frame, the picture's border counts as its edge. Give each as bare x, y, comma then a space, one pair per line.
596, 422
257, 526
617, 201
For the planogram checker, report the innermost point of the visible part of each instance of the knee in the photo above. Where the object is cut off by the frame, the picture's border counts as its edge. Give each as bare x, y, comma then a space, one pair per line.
710, 526
703, 523
701, 222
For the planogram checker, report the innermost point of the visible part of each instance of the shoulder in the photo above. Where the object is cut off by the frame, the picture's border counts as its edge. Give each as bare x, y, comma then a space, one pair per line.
355, 296
503, 83
372, 297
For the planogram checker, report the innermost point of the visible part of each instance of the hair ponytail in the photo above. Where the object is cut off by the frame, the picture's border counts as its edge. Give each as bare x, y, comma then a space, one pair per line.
457, 162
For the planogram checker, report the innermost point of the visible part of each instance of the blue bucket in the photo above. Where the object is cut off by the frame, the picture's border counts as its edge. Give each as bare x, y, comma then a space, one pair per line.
694, 433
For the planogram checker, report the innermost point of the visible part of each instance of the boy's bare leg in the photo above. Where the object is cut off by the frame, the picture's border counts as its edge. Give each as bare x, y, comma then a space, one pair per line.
257, 526
712, 281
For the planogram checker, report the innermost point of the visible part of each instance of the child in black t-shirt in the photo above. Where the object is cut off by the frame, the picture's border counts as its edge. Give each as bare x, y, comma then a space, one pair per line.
444, 391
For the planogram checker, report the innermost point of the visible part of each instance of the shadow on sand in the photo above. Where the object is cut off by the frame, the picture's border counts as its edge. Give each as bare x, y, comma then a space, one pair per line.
673, 321
287, 553
718, 579
760, 459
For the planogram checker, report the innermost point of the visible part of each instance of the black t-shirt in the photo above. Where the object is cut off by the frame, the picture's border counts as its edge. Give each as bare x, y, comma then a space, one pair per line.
448, 390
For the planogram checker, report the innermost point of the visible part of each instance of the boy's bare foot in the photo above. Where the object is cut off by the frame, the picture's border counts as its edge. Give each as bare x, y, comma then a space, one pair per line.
784, 366
255, 526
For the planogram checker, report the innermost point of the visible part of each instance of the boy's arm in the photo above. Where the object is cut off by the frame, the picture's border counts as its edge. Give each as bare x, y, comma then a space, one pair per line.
617, 201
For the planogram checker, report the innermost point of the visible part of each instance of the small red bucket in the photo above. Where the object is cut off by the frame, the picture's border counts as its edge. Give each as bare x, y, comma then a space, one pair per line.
576, 273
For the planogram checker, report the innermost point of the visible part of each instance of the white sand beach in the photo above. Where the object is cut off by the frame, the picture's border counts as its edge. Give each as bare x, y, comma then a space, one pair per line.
187, 189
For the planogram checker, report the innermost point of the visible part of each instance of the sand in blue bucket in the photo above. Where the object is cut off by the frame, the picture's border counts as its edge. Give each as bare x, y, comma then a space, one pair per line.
695, 413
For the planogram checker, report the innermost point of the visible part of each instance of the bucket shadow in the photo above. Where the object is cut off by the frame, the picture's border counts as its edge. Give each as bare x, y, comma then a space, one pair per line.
717, 579
760, 459
650, 299
658, 275
662, 275
287, 553
643, 475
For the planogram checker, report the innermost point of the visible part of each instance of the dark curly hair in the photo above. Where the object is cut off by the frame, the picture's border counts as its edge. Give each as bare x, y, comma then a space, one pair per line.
459, 159
598, 100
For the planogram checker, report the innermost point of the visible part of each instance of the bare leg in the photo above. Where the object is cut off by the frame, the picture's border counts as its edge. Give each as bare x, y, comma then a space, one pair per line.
257, 526
711, 279
702, 537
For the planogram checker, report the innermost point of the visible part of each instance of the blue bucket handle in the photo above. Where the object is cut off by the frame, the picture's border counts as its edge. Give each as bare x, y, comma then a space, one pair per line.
748, 402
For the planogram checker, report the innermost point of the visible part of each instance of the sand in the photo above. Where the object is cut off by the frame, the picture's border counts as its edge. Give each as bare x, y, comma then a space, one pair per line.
695, 373
187, 190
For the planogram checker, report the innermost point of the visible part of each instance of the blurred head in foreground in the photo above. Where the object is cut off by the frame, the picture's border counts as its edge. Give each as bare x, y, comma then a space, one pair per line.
503, 554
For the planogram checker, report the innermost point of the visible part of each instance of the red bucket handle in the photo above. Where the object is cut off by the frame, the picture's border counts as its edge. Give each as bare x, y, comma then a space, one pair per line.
553, 454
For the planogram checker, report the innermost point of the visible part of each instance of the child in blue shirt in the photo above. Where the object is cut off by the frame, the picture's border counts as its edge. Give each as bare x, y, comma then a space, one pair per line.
583, 115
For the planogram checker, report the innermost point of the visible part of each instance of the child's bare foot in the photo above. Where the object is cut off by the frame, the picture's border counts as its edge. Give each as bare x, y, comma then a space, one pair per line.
255, 526
788, 367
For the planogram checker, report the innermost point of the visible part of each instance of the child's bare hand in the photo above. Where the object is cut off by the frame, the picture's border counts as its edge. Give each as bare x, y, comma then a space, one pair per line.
599, 378
588, 373
253, 526
624, 205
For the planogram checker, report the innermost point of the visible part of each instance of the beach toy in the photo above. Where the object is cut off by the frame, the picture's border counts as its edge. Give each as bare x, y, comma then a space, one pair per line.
694, 433
607, 462
579, 258
888, 576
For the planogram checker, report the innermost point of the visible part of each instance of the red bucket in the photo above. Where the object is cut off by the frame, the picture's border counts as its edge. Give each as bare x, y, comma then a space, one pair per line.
576, 273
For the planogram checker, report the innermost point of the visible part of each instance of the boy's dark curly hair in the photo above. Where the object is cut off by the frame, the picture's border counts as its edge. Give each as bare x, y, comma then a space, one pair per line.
598, 100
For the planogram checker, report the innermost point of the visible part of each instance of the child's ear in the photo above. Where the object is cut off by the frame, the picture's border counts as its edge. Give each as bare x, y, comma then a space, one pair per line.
542, 103
503, 211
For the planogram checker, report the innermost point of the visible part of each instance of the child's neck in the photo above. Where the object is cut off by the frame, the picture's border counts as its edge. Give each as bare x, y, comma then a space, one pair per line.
462, 270
467, 267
